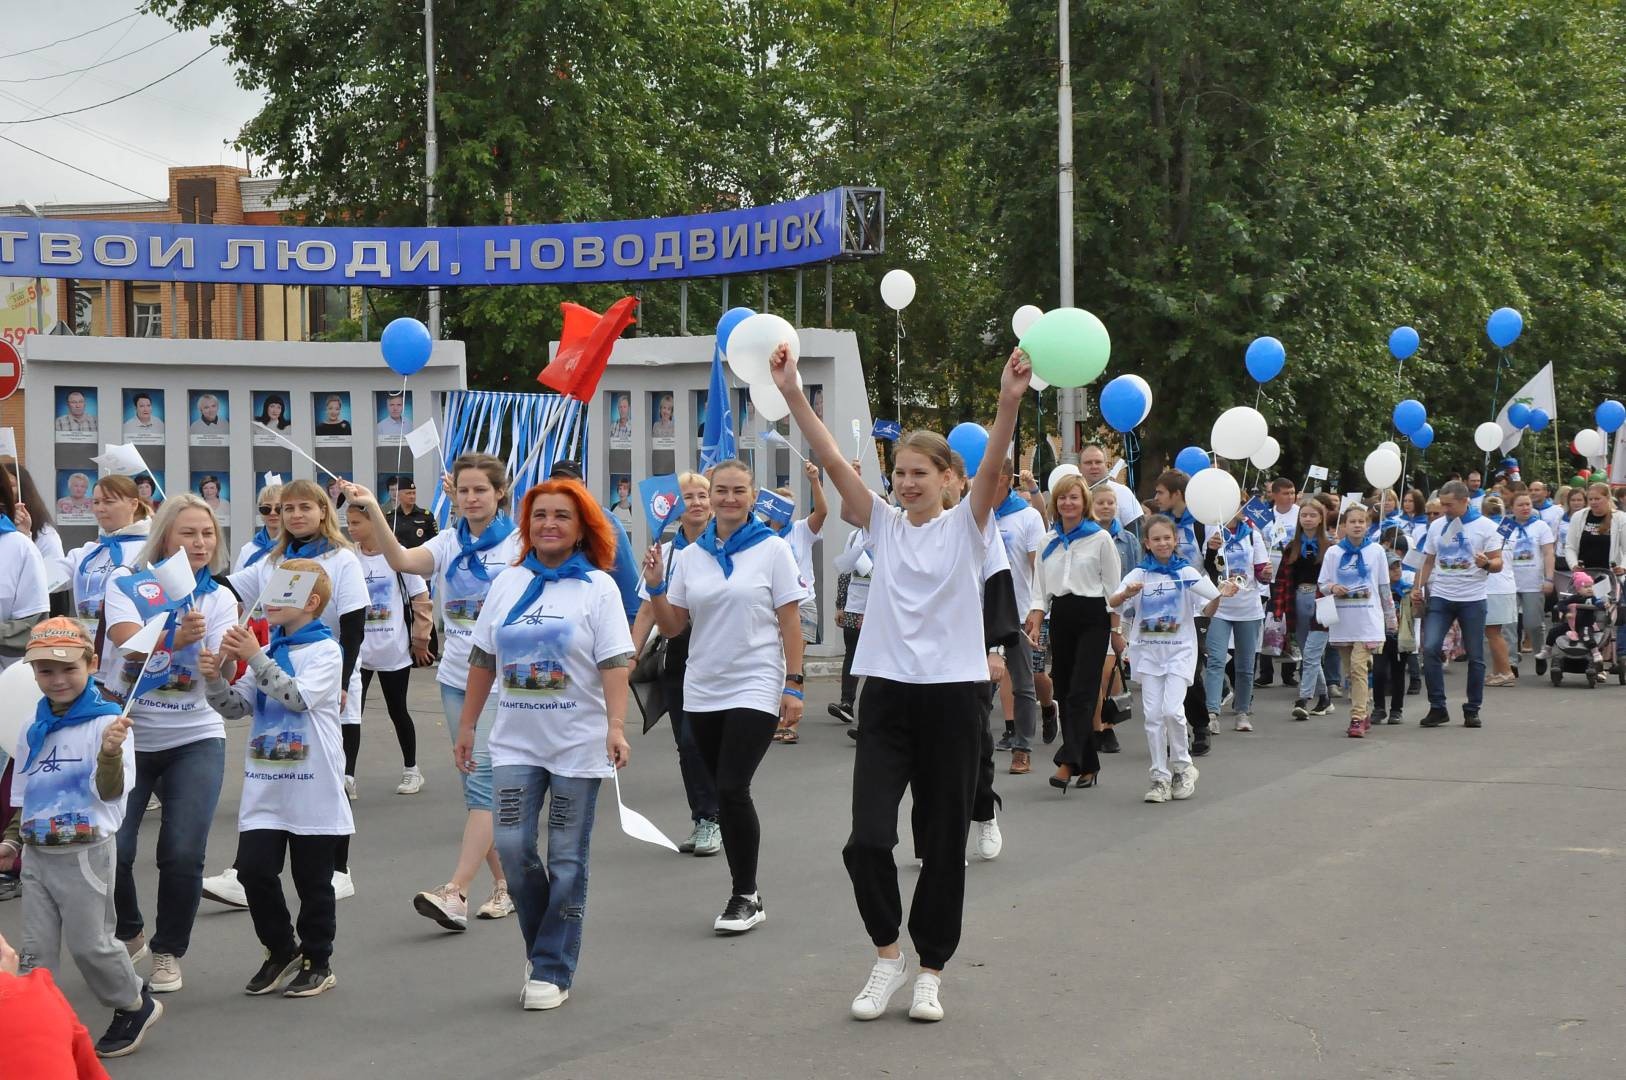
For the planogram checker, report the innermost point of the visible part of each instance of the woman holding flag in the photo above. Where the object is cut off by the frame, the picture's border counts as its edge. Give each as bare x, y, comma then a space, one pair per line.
23, 599
123, 520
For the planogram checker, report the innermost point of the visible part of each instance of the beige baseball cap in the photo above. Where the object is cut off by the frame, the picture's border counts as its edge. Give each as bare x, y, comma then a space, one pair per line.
60, 638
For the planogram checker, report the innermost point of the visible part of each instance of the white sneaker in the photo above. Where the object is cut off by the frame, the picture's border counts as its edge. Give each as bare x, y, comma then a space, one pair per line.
1185, 783
223, 888
542, 995
1158, 792
1213, 723
989, 842
499, 906
411, 782
741, 914
1244, 722
885, 979
350, 788
153, 803
926, 1007
166, 973
344, 886
445, 905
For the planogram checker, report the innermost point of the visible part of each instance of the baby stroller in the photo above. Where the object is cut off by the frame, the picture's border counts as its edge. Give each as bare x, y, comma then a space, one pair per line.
1584, 636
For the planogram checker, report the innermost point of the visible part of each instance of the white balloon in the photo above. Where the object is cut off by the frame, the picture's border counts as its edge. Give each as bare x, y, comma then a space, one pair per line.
1038, 383
897, 289
770, 403
1382, 468
752, 343
1588, 443
1058, 472
1488, 436
1213, 496
1239, 432
1025, 316
21, 694
1393, 448
1145, 388
1267, 454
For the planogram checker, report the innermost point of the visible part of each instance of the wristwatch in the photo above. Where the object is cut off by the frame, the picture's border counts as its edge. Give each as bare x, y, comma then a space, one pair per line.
797, 679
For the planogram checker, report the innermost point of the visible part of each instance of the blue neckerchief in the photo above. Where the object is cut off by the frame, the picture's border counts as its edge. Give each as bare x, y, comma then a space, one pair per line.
1545, 504
6, 524
680, 539
1244, 530
1309, 546
781, 531
576, 567
206, 582
1394, 521
1085, 528
262, 546
1418, 519
468, 548
748, 535
85, 708
1352, 555
1172, 568
1113, 528
282, 641
113, 545
1469, 515
1524, 526
313, 548
1013, 503
1496, 519
1402, 587
1479, 493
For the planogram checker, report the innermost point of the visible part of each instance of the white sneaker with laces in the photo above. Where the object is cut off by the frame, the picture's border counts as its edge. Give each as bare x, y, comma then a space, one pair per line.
223, 888
540, 995
885, 979
1158, 792
926, 1007
344, 886
350, 788
989, 841
166, 973
1244, 722
411, 782
499, 906
1185, 783
445, 905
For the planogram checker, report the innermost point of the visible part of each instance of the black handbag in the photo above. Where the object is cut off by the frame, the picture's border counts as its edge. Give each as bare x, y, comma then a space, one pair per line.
1117, 707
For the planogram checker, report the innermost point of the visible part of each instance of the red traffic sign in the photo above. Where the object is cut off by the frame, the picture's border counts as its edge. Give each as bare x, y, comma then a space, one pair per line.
11, 369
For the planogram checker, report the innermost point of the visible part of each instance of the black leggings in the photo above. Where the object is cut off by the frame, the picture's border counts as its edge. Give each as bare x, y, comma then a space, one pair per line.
849, 681
1079, 631
732, 744
394, 686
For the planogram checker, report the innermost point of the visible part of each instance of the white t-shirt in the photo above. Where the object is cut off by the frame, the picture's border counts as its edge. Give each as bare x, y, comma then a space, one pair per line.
88, 579
1523, 552
1552, 516
1162, 621
1188, 542
1503, 582
1024, 534
1242, 556
1279, 533
1360, 614
736, 656
462, 595
293, 764
241, 561
387, 646
858, 584
550, 690
57, 796
49, 542
22, 578
175, 713
1455, 576
925, 625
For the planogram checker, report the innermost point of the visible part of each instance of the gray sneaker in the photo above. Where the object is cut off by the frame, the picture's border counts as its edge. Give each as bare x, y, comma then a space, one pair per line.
710, 839
1185, 783
687, 847
1158, 792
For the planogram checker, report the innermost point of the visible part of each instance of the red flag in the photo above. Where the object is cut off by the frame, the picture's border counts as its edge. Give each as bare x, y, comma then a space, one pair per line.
585, 342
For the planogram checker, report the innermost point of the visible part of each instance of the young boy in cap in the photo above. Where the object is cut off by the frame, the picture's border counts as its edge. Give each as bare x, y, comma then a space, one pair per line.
75, 761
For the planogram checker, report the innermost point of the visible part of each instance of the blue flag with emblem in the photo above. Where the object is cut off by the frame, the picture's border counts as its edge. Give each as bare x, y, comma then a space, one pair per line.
149, 595
717, 439
772, 506
1258, 513
890, 430
662, 502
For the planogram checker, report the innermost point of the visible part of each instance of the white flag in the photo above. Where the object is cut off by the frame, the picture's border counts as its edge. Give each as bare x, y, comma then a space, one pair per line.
287, 588
273, 479
143, 641
1538, 393
120, 459
423, 439
636, 825
8, 443
176, 576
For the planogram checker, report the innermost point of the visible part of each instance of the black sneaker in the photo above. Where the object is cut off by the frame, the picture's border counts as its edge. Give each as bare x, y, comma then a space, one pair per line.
1414, 687
1541, 664
1323, 706
1006, 739
273, 974
843, 711
1396, 717
1470, 718
1379, 715
311, 981
1435, 718
741, 914
11, 886
130, 1026
1199, 746
1107, 742
1301, 709
852, 733
1051, 722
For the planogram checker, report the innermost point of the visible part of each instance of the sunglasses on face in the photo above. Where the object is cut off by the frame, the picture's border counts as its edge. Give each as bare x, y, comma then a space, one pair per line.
267, 510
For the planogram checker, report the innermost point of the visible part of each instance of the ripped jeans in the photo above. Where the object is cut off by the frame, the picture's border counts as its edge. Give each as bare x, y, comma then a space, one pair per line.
550, 898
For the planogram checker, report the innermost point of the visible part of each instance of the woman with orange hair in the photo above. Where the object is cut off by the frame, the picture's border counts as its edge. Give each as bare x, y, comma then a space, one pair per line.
552, 639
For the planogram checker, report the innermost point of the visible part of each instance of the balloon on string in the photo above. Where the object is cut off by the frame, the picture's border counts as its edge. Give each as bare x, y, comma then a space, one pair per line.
1192, 460
1391, 446
1122, 404
1504, 327
1239, 432
1025, 316
751, 345
1403, 342
1265, 358
1589, 443
970, 441
769, 402
1146, 389
1409, 416
1213, 497
1269, 452
1610, 415
1488, 436
406, 346
1037, 383
1382, 468
1068, 347
1518, 414
22, 695
898, 289
1538, 420
1058, 472
1423, 437
725, 326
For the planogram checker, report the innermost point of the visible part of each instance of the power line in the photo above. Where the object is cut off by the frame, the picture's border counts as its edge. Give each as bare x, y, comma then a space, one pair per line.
110, 101
92, 67
86, 129
76, 37
77, 169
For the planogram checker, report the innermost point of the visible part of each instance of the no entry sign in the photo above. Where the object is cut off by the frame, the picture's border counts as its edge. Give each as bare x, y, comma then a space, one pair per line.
11, 370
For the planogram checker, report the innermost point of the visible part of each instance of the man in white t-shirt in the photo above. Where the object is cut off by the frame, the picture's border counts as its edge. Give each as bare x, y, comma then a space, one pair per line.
1549, 511
1460, 552
1092, 462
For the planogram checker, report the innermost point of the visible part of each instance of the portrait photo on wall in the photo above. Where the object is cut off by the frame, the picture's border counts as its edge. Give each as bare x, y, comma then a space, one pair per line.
76, 414
73, 503
620, 501
661, 420
150, 488
215, 489
209, 422
144, 417
393, 412
620, 420
270, 409
334, 492
332, 418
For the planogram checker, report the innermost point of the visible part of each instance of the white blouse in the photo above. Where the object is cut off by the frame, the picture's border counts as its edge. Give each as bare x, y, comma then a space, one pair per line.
1087, 567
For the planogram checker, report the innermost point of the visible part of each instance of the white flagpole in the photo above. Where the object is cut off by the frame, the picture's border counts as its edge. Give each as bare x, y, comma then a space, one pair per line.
295, 449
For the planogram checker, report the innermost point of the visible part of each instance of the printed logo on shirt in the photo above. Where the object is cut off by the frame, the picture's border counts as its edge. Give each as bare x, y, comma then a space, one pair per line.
1456, 556
1353, 579
532, 651
280, 739
1160, 612
380, 602
57, 811
1524, 551
465, 596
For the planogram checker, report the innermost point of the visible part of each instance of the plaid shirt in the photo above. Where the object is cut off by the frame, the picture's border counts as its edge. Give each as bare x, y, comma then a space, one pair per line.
66, 422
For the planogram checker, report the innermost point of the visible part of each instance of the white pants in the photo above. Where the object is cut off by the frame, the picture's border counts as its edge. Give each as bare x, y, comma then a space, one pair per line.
1163, 700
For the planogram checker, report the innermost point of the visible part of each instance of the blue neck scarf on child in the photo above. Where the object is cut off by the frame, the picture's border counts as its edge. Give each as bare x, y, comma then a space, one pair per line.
1353, 555
282, 642
262, 547
1113, 528
468, 548
747, 536
575, 568
1064, 539
1012, 504
85, 708
1171, 568
1309, 546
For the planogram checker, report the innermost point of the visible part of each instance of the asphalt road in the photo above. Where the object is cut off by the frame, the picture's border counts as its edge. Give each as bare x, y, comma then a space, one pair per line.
1422, 903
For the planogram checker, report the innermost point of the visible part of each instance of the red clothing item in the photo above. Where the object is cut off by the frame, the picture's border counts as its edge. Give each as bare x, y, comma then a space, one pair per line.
40, 1037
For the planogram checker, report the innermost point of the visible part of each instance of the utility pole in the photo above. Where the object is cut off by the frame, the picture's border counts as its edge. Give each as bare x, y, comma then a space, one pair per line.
431, 152
1068, 399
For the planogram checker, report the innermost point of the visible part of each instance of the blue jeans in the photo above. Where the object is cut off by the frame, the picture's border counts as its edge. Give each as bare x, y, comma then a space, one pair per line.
477, 784
1437, 619
1220, 633
1332, 662
187, 780
1312, 648
551, 898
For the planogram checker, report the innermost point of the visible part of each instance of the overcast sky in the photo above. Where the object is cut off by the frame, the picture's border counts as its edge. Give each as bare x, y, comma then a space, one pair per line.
188, 119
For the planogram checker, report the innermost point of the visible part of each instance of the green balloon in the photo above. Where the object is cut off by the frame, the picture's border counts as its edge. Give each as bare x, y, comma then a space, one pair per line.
1068, 347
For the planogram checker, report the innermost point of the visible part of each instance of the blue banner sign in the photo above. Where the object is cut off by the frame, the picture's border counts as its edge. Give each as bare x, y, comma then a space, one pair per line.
777, 237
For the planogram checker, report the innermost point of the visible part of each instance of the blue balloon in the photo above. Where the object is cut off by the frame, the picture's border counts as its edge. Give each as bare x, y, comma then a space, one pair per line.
1192, 460
1422, 437
1504, 327
1265, 358
1409, 416
725, 326
406, 346
1518, 414
970, 441
1610, 415
1403, 341
1538, 420
1122, 403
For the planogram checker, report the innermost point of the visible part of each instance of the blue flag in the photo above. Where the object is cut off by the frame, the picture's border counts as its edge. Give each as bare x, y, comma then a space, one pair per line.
890, 430
155, 672
661, 501
147, 593
1258, 513
772, 506
717, 440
